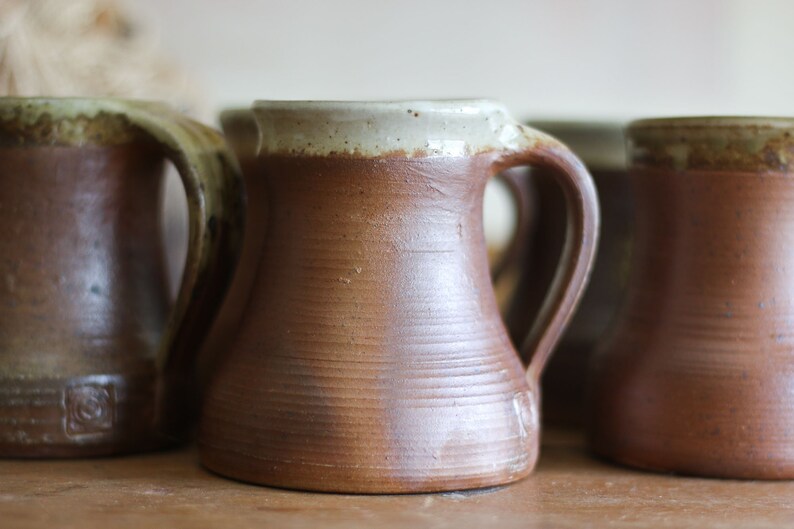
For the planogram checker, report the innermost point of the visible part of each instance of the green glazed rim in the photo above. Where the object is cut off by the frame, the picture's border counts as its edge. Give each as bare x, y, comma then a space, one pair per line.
70, 121
716, 143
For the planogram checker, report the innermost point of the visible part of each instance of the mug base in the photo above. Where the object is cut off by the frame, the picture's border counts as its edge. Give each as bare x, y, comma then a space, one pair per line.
343, 480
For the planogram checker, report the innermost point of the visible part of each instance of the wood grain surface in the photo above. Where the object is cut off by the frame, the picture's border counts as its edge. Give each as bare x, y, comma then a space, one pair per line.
568, 489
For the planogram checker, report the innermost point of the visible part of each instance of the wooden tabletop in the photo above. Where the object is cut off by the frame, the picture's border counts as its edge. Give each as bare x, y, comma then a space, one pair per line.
568, 489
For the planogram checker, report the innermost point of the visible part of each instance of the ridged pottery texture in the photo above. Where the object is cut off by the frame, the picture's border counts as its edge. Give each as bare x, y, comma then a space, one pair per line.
371, 356
91, 363
698, 377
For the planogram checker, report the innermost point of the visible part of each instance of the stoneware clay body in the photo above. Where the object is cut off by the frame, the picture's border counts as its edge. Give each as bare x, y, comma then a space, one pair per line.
371, 357
91, 362
601, 147
242, 135
698, 376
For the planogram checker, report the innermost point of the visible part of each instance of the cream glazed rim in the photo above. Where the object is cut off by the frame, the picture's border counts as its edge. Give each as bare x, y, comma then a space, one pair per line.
410, 129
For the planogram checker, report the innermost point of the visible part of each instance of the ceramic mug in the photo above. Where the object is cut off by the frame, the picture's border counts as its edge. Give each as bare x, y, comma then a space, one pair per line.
242, 135
698, 375
371, 356
93, 360
601, 146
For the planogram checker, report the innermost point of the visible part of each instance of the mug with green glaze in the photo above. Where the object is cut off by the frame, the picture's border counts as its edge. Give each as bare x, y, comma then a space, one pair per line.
93, 358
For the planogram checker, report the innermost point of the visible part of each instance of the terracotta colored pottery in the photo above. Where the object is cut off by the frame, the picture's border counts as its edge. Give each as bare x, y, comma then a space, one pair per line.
371, 356
698, 376
242, 136
601, 147
90, 361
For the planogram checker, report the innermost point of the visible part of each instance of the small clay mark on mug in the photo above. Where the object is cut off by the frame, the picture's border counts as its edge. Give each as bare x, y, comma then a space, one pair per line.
90, 409
527, 413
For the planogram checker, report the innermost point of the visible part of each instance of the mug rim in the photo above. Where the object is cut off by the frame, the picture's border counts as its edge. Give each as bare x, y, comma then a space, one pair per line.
709, 121
77, 101
713, 143
444, 105
411, 128
70, 121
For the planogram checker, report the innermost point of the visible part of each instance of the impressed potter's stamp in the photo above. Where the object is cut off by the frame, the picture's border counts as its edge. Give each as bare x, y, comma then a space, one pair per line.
90, 409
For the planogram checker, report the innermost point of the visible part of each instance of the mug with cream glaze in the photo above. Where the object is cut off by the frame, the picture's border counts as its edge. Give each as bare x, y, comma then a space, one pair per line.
371, 356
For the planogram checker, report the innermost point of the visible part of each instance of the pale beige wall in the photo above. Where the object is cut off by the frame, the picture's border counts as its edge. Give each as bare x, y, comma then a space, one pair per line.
543, 58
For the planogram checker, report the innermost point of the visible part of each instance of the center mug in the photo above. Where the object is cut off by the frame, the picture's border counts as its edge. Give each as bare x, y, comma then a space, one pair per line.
371, 357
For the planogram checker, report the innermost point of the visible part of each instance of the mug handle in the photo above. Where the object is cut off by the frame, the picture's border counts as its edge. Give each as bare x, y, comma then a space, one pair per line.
216, 207
532, 147
519, 185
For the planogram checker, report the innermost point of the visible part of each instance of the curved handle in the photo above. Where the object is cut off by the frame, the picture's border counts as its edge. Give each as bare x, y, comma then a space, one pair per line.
531, 147
518, 184
215, 197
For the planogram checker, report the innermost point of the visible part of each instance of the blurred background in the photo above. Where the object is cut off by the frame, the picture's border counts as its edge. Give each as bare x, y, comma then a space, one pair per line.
546, 59
543, 58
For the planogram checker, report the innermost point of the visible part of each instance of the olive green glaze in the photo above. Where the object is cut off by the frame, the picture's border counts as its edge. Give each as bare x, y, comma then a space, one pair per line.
78, 379
242, 134
713, 143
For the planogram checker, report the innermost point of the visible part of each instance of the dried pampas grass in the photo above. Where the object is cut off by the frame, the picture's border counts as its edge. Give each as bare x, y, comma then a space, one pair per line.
85, 48
92, 48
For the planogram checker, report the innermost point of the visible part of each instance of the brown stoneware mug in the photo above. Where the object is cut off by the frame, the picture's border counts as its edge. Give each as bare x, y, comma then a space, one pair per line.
91, 363
242, 135
601, 146
698, 375
371, 357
